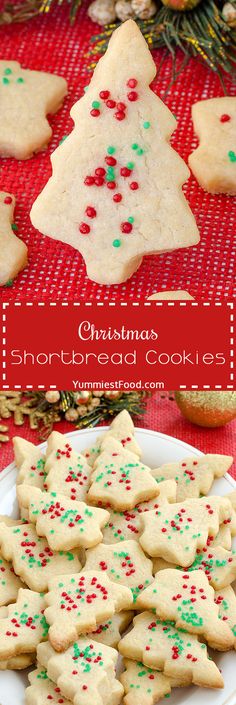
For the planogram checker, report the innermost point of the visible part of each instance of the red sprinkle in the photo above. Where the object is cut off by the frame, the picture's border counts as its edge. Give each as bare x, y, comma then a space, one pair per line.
126, 227
132, 96
100, 171
111, 161
134, 185
8, 200
84, 228
225, 118
91, 212
104, 95
110, 103
132, 82
89, 181
117, 197
125, 171
111, 185
120, 115
121, 106
99, 181
95, 112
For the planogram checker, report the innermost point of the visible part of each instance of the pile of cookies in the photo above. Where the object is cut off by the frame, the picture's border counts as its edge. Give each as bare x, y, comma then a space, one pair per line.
111, 557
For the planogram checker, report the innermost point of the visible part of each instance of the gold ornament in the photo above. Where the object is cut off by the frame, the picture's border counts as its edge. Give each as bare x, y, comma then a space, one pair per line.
52, 397
83, 397
181, 5
112, 395
229, 14
102, 11
71, 414
124, 10
210, 409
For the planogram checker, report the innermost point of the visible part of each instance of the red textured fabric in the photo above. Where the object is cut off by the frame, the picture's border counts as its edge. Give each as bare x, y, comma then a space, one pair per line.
161, 415
55, 270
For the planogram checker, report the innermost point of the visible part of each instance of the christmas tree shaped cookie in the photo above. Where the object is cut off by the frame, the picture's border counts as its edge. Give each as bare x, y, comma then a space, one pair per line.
226, 601
176, 531
65, 524
142, 684
109, 632
178, 295
179, 655
85, 673
9, 583
67, 471
41, 690
120, 480
218, 564
116, 189
24, 626
79, 603
26, 98
188, 600
213, 163
13, 252
18, 663
33, 560
30, 463
194, 476
125, 564
122, 429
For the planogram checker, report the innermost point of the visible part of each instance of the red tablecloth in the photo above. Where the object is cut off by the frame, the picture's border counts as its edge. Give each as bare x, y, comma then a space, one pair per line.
57, 271
161, 415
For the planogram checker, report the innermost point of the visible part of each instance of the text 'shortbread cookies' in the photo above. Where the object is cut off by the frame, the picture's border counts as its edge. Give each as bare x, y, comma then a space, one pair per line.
124, 563
213, 163
122, 429
188, 600
24, 626
120, 480
194, 476
85, 673
124, 526
33, 560
176, 531
30, 463
120, 162
78, 603
13, 252
65, 524
67, 472
26, 98
161, 646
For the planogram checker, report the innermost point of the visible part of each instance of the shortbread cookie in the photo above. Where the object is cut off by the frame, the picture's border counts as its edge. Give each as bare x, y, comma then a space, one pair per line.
127, 174
65, 524
179, 655
122, 429
85, 673
218, 565
142, 684
224, 537
26, 98
9, 583
213, 163
226, 601
18, 663
120, 480
32, 558
79, 603
176, 531
67, 472
126, 525
232, 497
188, 600
110, 632
13, 252
41, 690
24, 626
30, 463
178, 295
194, 476
125, 564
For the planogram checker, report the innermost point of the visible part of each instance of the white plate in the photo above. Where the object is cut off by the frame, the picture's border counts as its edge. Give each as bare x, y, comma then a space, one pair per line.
157, 449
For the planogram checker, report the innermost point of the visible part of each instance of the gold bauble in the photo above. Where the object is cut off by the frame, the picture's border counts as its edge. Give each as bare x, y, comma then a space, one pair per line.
181, 5
210, 409
52, 397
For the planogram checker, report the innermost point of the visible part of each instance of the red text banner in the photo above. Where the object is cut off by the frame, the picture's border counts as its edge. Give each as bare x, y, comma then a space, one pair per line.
122, 345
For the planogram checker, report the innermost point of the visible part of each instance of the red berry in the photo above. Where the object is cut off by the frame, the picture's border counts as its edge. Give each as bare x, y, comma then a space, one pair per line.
132, 96
134, 185
117, 197
111, 185
95, 112
8, 200
225, 118
126, 227
104, 95
89, 180
120, 115
100, 171
84, 228
125, 171
132, 82
111, 161
91, 213
110, 103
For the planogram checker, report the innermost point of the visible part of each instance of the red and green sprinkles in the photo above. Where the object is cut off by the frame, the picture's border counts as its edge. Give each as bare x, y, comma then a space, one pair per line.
7, 77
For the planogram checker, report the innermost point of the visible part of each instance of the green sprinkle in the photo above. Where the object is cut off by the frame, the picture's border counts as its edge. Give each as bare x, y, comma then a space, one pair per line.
63, 138
9, 283
111, 150
232, 156
134, 146
130, 165
5, 81
96, 104
116, 243
19, 80
131, 219
86, 88
140, 151
7, 72
146, 125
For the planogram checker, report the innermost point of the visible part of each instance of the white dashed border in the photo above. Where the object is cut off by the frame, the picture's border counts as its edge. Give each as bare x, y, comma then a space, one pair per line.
110, 304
